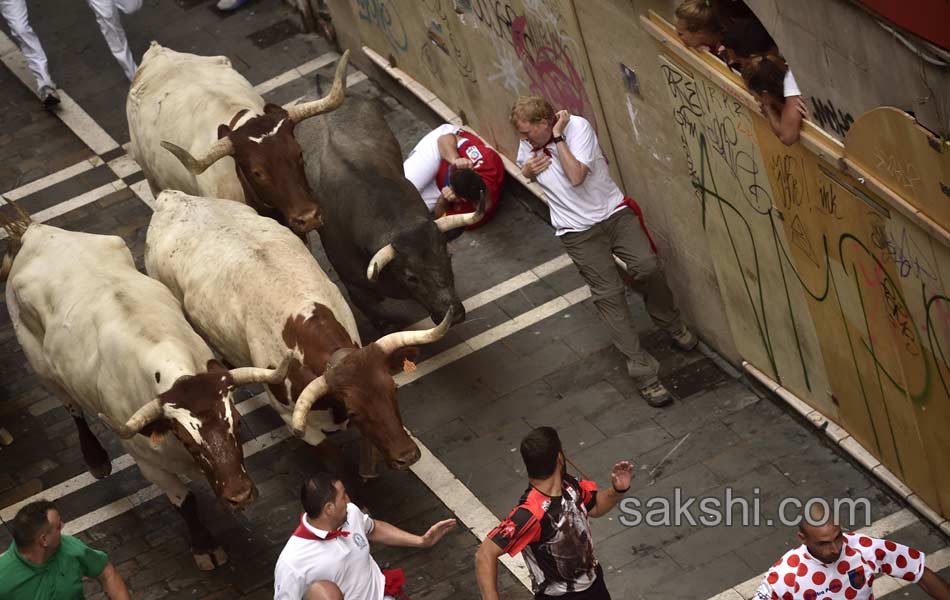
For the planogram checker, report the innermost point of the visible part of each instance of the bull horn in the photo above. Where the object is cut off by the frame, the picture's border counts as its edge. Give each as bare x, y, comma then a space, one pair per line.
449, 222
142, 417
383, 257
246, 375
394, 341
315, 390
331, 101
217, 151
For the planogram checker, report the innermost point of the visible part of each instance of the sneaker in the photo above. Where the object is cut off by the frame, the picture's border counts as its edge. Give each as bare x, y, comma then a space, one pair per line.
49, 97
683, 338
229, 5
656, 395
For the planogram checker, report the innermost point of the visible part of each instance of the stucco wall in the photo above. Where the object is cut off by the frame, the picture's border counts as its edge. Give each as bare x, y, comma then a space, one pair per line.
823, 266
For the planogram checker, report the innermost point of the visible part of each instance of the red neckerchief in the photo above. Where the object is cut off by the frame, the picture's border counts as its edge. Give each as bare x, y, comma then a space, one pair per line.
544, 148
303, 532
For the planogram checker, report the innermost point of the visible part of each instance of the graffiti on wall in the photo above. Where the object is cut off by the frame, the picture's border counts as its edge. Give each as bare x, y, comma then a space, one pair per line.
382, 14
441, 39
785, 233
831, 118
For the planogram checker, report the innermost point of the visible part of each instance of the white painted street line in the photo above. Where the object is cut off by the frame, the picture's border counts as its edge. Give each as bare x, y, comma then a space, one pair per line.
296, 73
506, 287
52, 179
881, 528
466, 506
144, 192
259, 401
73, 203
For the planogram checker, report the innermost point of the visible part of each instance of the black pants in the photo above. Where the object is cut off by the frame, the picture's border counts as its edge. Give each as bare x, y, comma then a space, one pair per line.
597, 591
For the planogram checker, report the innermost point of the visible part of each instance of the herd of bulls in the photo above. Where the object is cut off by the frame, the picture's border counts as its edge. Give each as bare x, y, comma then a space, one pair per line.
230, 174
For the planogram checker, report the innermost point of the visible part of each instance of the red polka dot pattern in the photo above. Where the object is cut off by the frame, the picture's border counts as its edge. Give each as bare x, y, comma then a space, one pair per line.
835, 586
865, 541
818, 578
850, 593
844, 567
772, 578
802, 570
880, 554
901, 561
913, 553
909, 576
789, 579
890, 545
793, 560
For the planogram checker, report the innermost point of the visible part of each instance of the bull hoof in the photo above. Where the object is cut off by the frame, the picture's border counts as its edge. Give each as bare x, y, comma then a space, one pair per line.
209, 561
101, 471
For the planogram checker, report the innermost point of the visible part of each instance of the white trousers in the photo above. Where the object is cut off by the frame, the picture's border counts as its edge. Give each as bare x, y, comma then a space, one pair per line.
14, 12
107, 15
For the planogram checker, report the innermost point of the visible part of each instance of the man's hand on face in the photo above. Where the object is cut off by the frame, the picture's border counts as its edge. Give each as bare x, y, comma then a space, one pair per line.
437, 532
462, 163
560, 124
536, 165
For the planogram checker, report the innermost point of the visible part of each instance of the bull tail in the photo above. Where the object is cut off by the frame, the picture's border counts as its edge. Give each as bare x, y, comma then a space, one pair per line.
15, 225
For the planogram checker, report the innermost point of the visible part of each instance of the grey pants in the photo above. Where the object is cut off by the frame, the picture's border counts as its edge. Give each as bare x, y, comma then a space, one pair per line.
591, 251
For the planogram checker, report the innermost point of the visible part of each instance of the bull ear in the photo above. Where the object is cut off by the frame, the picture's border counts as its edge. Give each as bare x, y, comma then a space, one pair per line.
156, 431
274, 109
214, 366
223, 131
396, 360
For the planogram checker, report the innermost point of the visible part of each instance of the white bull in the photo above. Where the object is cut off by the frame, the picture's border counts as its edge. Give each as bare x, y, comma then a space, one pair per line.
253, 289
110, 341
188, 115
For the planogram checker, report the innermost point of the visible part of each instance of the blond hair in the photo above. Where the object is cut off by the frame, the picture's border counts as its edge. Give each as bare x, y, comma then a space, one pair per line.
698, 15
531, 109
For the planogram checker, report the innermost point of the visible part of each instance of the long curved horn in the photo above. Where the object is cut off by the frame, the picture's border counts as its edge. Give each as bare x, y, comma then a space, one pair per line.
246, 375
383, 257
331, 101
394, 341
141, 418
217, 151
310, 394
449, 222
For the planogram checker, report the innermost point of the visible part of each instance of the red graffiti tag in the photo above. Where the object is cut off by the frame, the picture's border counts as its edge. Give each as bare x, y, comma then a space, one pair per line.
552, 74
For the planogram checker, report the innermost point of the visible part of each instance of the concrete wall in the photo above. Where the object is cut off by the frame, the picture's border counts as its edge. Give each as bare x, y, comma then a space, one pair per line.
823, 267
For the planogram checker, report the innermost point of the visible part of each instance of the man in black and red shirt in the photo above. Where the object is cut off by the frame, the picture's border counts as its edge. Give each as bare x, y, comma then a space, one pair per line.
551, 527
452, 168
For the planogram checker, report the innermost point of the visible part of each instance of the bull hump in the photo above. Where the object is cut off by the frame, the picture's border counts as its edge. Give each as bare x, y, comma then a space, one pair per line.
316, 334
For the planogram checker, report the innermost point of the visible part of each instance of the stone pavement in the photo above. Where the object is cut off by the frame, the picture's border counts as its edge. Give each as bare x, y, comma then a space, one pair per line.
471, 413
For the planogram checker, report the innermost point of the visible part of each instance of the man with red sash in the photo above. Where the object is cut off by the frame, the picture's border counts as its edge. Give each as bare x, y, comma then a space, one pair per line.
331, 544
594, 221
452, 168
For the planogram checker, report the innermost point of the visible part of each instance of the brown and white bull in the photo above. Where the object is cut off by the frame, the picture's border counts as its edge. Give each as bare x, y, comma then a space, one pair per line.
253, 289
110, 341
198, 126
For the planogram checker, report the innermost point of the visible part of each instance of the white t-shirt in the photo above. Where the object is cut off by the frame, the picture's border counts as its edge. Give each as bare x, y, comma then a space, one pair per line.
343, 560
422, 164
576, 208
791, 86
800, 576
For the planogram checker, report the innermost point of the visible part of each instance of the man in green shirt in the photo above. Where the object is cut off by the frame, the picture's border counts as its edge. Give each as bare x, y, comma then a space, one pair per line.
44, 564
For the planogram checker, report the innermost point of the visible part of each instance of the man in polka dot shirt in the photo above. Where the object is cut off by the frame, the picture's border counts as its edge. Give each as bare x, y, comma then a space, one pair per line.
833, 565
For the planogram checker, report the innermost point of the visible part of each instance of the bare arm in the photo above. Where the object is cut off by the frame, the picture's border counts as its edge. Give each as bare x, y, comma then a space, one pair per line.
575, 170
112, 583
486, 569
934, 585
386, 533
787, 125
620, 478
449, 151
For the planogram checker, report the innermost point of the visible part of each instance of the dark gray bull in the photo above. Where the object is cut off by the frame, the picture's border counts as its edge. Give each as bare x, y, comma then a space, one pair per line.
377, 232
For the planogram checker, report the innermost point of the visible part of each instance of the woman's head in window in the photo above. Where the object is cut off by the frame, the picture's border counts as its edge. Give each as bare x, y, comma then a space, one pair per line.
697, 24
745, 40
765, 77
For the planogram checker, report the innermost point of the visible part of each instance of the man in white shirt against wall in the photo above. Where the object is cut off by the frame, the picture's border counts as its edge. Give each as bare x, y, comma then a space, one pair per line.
594, 220
331, 544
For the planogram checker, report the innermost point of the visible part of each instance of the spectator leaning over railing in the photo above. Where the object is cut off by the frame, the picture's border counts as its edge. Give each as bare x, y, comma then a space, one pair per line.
747, 45
698, 25
772, 86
